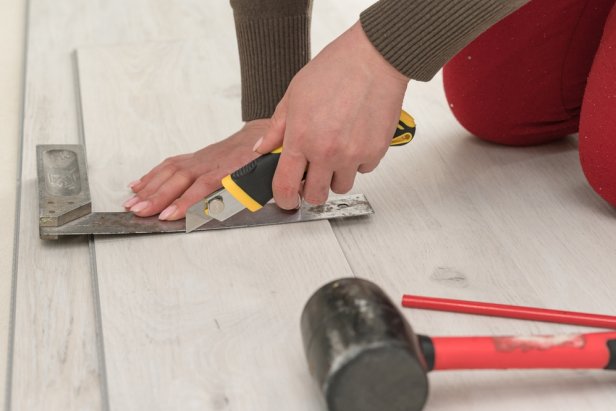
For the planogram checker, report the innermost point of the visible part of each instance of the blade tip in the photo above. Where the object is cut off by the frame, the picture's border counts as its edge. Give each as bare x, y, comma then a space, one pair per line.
192, 223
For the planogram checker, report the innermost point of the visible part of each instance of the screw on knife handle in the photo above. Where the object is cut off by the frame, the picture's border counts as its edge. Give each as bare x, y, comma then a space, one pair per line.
251, 185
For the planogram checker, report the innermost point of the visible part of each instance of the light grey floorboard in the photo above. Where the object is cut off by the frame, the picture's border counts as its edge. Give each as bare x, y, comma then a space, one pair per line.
55, 362
12, 46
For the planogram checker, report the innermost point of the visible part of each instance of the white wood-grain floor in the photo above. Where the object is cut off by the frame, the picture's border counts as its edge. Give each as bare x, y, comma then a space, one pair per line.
183, 321
12, 31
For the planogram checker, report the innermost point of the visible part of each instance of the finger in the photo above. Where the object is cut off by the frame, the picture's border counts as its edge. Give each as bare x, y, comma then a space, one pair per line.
202, 187
368, 167
133, 184
342, 181
157, 180
275, 133
140, 184
131, 202
166, 193
288, 179
318, 181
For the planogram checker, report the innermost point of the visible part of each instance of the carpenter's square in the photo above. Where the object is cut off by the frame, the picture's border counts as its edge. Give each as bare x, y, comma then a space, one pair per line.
250, 187
65, 208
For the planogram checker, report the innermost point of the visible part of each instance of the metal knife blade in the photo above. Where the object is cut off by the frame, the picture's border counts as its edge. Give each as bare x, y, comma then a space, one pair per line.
220, 205
196, 217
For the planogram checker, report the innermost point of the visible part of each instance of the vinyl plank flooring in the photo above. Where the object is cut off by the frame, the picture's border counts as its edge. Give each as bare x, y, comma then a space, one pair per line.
207, 320
54, 362
454, 218
12, 29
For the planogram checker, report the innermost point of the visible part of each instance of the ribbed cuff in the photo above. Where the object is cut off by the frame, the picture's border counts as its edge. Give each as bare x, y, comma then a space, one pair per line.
272, 50
419, 36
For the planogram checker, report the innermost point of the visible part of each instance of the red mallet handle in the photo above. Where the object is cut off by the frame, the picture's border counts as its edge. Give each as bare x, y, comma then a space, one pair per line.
510, 311
588, 351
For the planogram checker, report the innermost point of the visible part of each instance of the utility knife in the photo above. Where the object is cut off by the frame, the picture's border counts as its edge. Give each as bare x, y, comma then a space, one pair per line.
250, 187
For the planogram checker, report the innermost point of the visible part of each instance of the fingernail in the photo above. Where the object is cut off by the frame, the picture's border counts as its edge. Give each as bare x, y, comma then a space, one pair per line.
299, 201
257, 144
130, 202
134, 183
140, 206
168, 212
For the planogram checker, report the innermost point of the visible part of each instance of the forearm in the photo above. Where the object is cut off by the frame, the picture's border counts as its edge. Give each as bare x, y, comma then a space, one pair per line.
418, 37
274, 44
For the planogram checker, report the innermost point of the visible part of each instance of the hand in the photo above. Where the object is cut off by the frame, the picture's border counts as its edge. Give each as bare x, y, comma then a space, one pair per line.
337, 118
179, 182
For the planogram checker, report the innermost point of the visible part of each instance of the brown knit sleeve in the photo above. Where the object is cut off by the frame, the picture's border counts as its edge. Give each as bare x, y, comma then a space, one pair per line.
419, 36
274, 43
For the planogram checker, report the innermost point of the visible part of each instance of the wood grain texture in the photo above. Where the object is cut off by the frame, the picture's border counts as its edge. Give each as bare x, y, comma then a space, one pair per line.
207, 320
12, 30
55, 361
459, 218
455, 218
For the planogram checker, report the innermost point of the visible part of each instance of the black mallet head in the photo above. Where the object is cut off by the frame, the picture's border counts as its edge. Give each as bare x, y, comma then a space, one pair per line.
361, 351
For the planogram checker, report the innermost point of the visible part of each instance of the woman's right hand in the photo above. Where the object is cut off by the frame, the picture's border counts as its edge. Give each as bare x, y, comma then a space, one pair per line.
177, 183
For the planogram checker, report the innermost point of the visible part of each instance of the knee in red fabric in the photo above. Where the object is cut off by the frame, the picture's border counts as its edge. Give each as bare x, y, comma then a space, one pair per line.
478, 111
497, 116
597, 143
599, 167
598, 119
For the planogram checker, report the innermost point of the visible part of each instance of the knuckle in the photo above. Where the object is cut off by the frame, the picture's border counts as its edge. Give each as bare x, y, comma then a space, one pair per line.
315, 199
206, 183
170, 168
331, 149
184, 174
278, 118
168, 161
157, 203
370, 153
284, 190
368, 168
317, 195
146, 193
358, 156
341, 189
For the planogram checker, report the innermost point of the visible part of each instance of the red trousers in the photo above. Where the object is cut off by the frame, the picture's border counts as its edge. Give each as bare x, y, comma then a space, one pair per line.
545, 71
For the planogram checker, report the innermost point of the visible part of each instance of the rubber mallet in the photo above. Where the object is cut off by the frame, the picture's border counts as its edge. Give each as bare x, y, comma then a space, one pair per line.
365, 357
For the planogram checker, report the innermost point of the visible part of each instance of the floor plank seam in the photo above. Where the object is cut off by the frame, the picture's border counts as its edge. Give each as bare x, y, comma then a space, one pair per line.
332, 226
96, 301
98, 319
13, 304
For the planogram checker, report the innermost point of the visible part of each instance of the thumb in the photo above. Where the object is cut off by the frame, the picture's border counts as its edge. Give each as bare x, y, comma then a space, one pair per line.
275, 134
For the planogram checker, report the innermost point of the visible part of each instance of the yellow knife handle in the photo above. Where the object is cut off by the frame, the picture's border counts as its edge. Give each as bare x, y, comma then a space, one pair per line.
251, 185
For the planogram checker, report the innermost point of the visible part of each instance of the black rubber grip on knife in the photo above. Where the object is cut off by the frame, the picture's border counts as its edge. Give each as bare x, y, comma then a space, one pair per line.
255, 180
